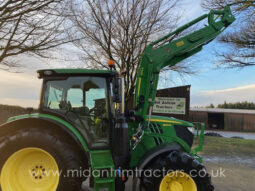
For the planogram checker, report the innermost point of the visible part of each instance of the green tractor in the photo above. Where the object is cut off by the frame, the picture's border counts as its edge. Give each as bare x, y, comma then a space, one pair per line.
84, 133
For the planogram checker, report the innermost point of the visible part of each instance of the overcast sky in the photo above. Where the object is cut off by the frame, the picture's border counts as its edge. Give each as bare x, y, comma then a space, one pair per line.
210, 85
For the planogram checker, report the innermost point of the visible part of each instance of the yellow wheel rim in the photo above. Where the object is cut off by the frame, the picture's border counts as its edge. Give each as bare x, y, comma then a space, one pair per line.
30, 169
177, 181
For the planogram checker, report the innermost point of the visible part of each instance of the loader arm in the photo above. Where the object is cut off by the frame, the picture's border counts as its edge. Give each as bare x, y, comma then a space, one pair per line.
164, 52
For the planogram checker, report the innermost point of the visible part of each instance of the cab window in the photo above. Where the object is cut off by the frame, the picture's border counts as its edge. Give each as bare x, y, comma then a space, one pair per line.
84, 102
75, 97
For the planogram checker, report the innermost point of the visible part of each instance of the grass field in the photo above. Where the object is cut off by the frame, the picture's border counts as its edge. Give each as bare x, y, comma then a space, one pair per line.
236, 157
7, 111
228, 147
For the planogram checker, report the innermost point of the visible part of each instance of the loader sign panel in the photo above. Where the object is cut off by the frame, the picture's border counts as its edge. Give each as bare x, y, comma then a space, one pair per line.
169, 105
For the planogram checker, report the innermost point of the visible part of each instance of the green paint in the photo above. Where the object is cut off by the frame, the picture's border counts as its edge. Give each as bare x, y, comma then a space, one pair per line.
153, 135
82, 71
200, 127
99, 160
102, 160
52, 117
169, 54
172, 120
161, 130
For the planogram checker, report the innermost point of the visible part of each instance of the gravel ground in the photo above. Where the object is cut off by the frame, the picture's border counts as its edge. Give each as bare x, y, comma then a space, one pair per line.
237, 176
228, 134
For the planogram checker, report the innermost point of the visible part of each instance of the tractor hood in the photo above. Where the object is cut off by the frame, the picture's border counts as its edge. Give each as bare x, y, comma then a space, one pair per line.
168, 120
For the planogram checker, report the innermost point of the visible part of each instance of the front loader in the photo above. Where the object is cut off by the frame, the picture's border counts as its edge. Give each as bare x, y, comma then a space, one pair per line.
83, 133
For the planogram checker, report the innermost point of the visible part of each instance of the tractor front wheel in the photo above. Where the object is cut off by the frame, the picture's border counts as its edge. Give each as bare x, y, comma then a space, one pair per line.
39, 159
177, 171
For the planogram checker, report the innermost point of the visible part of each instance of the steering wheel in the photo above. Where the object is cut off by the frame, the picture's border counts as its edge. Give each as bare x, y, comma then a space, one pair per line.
80, 120
91, 110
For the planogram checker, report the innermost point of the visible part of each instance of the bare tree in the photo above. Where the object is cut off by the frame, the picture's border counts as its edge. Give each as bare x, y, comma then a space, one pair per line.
29, 26
120, 30
241, 37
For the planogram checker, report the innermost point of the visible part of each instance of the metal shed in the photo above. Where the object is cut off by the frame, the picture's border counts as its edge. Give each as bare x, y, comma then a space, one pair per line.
224, 119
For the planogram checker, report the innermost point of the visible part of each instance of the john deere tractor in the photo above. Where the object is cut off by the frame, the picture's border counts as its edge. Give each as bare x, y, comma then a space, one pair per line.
83, 133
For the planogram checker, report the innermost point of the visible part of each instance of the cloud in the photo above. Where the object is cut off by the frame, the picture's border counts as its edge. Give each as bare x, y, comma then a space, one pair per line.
191, 13
241, 93
19, 89
231, 90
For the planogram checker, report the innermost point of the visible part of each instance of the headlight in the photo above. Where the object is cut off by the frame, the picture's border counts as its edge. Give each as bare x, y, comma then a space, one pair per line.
192, 130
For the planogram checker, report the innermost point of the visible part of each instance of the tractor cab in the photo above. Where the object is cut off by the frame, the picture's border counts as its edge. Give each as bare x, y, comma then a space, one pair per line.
84, 98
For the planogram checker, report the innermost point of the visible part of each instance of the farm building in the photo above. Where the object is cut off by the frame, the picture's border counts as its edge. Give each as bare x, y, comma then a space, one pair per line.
214, 118
224, 119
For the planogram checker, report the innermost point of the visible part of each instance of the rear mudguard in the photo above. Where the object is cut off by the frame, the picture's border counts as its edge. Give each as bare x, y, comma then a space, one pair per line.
47, 121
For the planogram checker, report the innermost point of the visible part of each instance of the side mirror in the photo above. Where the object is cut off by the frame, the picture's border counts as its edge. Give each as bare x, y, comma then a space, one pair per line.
116, 90
119, 93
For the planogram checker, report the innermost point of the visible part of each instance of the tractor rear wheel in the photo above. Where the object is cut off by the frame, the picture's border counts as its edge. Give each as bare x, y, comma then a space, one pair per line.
176, 171
39, 159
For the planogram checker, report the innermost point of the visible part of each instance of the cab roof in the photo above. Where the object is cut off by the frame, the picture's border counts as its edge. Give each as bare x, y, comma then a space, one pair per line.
72, 72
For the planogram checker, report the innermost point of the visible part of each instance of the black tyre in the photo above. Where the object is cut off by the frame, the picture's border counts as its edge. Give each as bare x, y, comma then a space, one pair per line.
40, 151
176, 161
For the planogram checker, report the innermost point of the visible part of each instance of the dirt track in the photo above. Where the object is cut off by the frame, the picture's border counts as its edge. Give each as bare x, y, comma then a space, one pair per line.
237, 177
236, 157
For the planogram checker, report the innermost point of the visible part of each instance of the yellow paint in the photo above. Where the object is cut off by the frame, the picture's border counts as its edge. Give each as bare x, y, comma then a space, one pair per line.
139, 86
181, 43
30, 169
177, 181
164, 121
